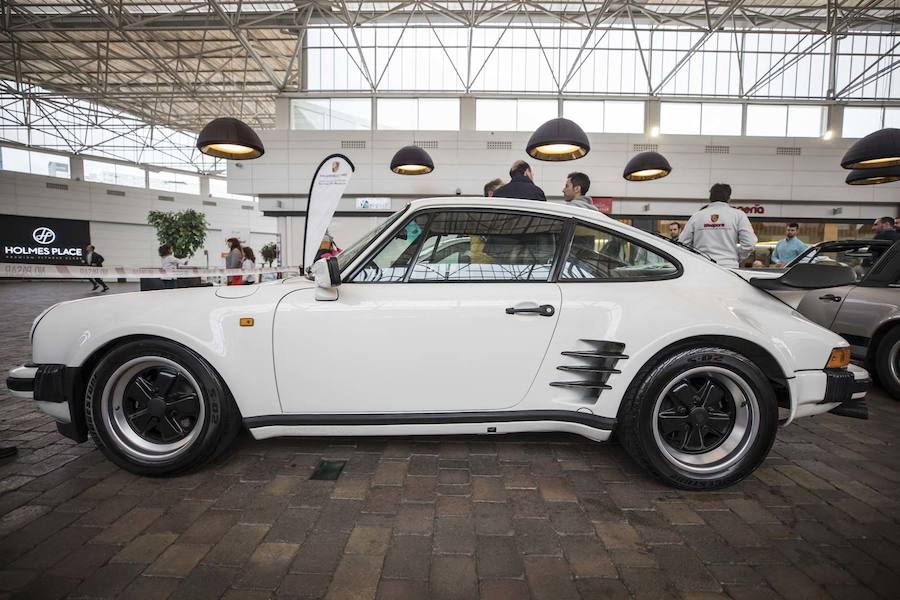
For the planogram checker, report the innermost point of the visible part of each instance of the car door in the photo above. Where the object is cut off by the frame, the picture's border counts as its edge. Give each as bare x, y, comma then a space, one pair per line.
453, 313
821, 306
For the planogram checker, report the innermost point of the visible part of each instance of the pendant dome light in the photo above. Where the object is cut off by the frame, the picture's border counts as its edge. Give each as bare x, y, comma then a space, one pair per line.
412, 160
558, 139
646, 166
873, 176
227, 137
878, 149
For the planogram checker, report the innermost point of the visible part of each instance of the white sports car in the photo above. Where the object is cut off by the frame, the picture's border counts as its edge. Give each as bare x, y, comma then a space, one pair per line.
455, 316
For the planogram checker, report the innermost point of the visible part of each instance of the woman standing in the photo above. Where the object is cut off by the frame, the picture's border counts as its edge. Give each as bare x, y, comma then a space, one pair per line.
249, 264
233, 260
169, 263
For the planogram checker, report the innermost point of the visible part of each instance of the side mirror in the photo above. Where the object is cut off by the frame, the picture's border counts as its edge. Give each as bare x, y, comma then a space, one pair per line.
809, 276
327, 275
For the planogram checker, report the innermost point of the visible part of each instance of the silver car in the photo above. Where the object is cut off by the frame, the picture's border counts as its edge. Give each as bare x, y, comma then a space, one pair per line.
866, 312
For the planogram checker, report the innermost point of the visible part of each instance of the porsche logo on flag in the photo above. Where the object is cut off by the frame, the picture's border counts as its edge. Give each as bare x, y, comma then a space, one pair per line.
714, 218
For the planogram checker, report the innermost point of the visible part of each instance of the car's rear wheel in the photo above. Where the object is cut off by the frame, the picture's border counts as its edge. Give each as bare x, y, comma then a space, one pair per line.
701, 418
887, 362
156, 408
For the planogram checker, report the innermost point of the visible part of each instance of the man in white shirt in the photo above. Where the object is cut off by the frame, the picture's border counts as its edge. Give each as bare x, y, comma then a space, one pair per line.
721, 232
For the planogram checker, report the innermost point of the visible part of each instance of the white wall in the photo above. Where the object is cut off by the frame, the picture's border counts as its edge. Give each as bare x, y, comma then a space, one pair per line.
119, 226
462, 160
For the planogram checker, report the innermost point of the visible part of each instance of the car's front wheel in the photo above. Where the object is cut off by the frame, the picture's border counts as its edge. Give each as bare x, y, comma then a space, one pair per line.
702, 418
154, 407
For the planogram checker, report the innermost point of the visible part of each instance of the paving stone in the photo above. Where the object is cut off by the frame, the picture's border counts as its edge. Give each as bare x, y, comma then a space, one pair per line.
609, 589
293, 525
237, 545
488, 489
587, 557
268, 563
178, 560
372, 541
498, 557
145, 548
454, 535
304, 586
84, 560
409, 557
617, 534
453, 577
50, 588
415, 519
549, 578
55, 548
205, 582
536, 536
493, 519
108, 581
390, 473
128, 526
402, 589
150, 588
320, 552
356, 577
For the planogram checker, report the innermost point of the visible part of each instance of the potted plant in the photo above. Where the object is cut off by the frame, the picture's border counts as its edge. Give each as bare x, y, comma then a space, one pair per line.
185, 231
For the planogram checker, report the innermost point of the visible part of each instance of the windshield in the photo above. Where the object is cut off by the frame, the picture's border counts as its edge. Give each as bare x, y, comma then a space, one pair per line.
349, 255
860, 259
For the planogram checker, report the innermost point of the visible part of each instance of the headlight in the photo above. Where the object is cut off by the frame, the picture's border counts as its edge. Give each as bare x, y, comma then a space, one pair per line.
839, 358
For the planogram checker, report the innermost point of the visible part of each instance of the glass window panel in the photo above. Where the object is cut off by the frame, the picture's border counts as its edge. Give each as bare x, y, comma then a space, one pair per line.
218, 188
13, 159
623, 117
100, 172
764, 119
309, 114
392, 261
399, 113
495, 115
534, 113
487, 246
892, 117
587, 113
721, 119
131, 176
351, 113
597, 254
679, 118
181, 183
804, 121
439, 114
53, 165
860, 121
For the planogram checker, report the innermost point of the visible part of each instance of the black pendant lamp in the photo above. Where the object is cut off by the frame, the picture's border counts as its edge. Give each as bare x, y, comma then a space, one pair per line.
412, 160
227, 137
558, 139
646, 166
878, 149
874, 176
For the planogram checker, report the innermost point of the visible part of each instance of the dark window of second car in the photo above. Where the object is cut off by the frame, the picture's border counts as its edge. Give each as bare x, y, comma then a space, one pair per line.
597, 254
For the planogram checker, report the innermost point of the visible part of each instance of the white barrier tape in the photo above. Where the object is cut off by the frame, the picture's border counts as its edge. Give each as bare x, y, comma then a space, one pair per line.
85, 272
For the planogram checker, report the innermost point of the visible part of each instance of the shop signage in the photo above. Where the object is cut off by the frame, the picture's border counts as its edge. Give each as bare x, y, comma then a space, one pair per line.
756, 209
42, 240
603, 203
373, 203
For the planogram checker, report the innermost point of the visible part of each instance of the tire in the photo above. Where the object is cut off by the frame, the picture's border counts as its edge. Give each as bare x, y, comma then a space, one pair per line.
156, 408
887, 362
701, 418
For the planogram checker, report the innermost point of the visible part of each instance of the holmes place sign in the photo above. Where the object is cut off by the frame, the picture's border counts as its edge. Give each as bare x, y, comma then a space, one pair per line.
43, 241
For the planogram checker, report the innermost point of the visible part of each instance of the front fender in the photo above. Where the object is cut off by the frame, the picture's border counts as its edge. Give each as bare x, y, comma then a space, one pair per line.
74, 332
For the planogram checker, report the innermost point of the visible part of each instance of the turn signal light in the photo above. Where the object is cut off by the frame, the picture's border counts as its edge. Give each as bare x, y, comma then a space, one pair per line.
246, 321
839, 358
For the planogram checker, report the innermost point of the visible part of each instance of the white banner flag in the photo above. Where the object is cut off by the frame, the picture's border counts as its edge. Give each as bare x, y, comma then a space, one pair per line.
327, 187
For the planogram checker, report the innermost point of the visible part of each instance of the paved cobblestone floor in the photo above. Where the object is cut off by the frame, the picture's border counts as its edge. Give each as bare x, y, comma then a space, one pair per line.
543, 516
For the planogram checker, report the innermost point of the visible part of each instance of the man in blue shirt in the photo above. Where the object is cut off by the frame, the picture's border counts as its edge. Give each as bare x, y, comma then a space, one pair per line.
789, 248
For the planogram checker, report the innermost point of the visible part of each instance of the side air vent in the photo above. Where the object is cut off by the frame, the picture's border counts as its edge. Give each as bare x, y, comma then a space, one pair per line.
645, 148
57, 186
718, 150
787, 151
591, 366
426, 144
115, 193
209, 203
496, 145
353, 144
166, 198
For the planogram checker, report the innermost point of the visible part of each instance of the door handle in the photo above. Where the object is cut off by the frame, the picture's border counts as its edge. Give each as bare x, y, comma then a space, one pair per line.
545, 310
831, 297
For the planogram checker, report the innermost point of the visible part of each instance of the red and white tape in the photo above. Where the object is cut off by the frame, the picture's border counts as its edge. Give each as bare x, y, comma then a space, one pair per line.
84, 272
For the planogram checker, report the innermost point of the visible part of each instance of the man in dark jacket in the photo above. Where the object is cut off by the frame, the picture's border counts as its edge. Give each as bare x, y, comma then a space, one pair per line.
521, 184
94, 259
884, 229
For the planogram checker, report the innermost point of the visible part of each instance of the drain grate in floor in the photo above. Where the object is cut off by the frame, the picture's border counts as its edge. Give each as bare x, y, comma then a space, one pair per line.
328, 470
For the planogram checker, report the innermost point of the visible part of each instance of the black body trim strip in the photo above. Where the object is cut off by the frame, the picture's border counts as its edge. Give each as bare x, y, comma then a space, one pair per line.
589, 369
592, 354
20, 384
581, 384
564, 416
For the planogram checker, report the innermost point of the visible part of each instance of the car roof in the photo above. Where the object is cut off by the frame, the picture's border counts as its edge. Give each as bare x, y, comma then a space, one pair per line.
561, 209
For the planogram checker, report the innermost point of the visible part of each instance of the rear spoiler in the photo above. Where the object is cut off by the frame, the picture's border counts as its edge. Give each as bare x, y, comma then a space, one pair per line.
807, 276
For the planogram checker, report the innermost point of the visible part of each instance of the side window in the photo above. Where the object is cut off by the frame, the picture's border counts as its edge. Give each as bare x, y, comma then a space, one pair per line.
392, 261
598, 254
488, 246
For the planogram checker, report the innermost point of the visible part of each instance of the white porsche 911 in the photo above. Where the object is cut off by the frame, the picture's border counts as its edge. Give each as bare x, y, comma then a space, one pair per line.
455, 316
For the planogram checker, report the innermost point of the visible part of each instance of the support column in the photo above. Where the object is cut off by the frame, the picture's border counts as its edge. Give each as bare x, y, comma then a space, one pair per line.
76, 168
651, 116
835, 120
282, 113
467, 113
